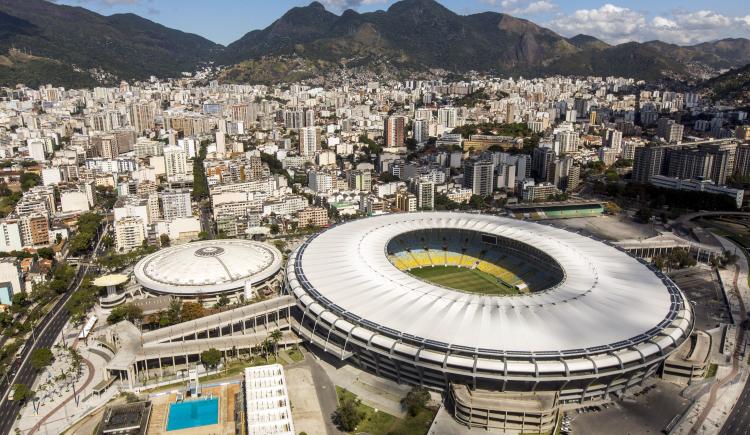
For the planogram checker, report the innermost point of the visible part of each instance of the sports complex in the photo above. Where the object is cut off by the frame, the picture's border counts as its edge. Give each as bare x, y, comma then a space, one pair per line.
208, 269
515, 319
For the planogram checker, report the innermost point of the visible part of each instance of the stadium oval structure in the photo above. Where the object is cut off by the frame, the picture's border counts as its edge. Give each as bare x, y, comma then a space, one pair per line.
601, 322
208, 269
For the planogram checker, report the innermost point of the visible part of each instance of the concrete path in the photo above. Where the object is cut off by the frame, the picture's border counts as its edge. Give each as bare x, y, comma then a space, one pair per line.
65, 402
737, 286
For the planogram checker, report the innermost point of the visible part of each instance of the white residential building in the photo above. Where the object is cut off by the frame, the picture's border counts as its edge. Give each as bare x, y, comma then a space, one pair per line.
308, 141
129, 233
74, 201
10, 235
175, 162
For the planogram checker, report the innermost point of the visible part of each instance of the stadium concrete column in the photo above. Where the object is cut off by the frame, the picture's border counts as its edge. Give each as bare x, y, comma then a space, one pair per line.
474, 372
348, 336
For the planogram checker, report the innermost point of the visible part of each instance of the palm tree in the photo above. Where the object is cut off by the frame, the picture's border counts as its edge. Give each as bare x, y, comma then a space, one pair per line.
275, 337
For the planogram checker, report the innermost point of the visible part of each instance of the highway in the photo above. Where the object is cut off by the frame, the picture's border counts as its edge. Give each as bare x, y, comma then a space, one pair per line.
46, 332
738, 422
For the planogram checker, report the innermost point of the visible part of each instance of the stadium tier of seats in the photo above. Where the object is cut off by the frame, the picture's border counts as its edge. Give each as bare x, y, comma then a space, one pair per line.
512, 268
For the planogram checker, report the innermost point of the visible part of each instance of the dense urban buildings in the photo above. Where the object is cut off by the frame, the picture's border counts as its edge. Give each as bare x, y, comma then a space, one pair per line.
381, 222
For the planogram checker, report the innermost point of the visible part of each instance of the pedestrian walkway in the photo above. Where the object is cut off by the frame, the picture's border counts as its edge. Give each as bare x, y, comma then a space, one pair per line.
59, 408
711, 410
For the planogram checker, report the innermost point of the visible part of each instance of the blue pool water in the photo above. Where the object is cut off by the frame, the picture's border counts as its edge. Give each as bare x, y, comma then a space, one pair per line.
194, 413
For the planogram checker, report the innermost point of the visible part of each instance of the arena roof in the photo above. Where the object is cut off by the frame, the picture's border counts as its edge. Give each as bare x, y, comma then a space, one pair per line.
208, 267
607, 299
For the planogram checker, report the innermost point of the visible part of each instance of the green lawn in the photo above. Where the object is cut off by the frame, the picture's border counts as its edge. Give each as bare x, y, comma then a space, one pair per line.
295, 355
381, 423
464, 279
373, 422
711, 372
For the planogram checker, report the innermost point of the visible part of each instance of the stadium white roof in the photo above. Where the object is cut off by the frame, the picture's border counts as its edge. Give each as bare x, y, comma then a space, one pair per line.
606, 297
208, 267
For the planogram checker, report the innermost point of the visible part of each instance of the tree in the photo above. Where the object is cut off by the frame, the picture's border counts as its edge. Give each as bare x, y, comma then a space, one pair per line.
41, 358
387, 177
164, 240
127, 312
200, 181
275, 337
416, 400
29, 180
275, 229
192, 311
348, 415
211, 357
476, 202
22, 393
47, 253
644, 215
223, 301
172, 314
19, 299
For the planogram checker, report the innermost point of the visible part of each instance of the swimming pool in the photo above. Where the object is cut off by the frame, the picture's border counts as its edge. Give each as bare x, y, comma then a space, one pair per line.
193, 413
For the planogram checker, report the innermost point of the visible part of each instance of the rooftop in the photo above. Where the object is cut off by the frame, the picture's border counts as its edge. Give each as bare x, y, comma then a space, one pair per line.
208, 267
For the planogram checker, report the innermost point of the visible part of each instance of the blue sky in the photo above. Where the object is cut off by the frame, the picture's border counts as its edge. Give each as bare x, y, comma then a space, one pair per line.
681, 22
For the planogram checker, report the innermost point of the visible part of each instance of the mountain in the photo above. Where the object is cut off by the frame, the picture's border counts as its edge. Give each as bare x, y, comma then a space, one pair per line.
124, 45
585, 41
732, 85
422, 34
71, 45
412, 33
17, 67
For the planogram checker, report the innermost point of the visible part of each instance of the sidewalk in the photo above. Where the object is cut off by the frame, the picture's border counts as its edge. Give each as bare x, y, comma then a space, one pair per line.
709, 412
57, 409
379, 393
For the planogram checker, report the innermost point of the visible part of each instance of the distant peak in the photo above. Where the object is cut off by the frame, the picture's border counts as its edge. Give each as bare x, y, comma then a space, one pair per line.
409, 4
316, 5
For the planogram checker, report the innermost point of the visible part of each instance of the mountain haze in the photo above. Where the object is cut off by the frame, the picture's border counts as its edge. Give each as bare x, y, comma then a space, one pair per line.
410, 36
424, 34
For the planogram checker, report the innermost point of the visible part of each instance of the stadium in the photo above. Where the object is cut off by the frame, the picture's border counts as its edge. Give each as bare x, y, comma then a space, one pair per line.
514, 319
208, 269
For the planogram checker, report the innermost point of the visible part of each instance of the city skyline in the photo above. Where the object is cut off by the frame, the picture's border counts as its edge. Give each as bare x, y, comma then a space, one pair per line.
670, 21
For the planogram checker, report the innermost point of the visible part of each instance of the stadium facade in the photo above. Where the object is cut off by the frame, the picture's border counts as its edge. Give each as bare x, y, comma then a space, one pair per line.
586, 321
207, 269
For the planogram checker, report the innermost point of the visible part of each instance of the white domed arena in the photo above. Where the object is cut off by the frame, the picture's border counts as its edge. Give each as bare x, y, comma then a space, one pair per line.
208, 269
513, 318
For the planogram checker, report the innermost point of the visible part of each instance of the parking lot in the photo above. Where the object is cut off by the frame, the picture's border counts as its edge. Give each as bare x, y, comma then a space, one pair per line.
704, 293
647, 413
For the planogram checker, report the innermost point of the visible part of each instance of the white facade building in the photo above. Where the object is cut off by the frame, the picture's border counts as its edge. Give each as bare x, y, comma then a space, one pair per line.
267, 401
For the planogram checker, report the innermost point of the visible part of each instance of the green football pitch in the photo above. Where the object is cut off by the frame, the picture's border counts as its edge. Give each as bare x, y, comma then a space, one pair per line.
464, 279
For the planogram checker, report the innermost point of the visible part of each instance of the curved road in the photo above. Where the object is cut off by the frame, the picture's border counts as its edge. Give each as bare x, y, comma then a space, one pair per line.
48, 330
736, 357
690, 216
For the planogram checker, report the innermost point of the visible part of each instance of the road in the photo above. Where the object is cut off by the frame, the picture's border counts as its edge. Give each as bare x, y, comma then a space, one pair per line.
690, 216
738, 422
207, 223
736, 360
48, 329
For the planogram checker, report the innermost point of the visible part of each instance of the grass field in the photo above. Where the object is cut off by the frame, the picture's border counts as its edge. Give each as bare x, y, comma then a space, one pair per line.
464, 279
380, 423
